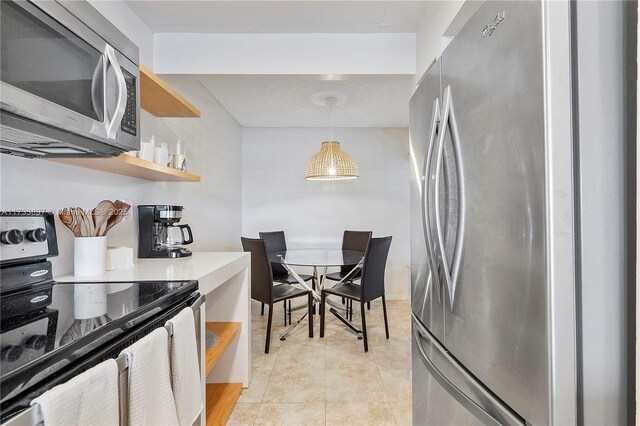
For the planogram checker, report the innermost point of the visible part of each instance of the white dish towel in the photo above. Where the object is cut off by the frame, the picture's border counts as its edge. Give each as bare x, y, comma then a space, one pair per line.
90, 398
150, 397
185, 370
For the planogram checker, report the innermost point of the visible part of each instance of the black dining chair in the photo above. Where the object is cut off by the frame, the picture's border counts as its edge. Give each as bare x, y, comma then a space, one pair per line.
356, 241
371, 285
262, 288
275, 241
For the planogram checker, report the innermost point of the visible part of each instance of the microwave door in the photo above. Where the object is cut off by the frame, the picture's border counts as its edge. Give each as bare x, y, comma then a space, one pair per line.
97, 89
49, 73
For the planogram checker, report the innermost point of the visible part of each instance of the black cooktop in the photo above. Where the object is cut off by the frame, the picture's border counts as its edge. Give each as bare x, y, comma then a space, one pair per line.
80, 319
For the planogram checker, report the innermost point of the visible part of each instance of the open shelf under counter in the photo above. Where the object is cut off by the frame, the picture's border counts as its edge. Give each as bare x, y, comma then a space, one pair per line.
131, 166
226, 331
221, 399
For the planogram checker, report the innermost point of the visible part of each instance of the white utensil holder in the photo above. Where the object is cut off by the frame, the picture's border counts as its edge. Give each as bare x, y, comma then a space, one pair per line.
89, 256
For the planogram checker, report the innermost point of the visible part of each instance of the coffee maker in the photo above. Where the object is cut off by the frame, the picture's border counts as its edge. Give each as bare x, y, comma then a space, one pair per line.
158, 236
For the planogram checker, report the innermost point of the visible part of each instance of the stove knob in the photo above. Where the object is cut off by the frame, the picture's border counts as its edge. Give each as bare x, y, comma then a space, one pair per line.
36, 342
12, 236
37, 235
11, 353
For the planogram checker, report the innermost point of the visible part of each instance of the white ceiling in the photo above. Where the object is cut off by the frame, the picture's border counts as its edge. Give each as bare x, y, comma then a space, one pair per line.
294, 101
298, 102
276, 16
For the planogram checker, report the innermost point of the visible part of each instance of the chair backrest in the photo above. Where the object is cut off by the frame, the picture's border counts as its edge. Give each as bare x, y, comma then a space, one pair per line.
261, 275
356, 241
373, 267
275, 241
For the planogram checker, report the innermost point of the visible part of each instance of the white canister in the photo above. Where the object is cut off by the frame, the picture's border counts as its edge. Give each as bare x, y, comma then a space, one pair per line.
161, 155
146, 151
89, 256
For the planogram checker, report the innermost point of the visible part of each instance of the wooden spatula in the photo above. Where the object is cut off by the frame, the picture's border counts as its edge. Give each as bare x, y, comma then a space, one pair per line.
121, 209
101, 214
67, 217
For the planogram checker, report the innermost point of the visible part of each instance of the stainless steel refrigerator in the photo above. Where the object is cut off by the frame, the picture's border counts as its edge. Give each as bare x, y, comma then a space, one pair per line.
499, 206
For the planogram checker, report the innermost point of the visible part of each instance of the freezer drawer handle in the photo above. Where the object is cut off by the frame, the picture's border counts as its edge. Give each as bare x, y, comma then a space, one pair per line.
433, 267
449, 121
419, 332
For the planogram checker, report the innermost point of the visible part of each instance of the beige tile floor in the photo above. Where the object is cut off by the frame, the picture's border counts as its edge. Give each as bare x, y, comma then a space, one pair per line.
329, 381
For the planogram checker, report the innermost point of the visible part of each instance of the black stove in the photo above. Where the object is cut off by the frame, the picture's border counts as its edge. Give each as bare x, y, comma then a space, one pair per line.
50, 332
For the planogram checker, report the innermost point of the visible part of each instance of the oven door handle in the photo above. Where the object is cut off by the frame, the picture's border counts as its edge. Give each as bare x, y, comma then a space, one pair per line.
199, 301
114, 125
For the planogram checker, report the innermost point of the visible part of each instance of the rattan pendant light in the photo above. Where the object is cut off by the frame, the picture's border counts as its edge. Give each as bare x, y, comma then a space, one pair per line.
331, 163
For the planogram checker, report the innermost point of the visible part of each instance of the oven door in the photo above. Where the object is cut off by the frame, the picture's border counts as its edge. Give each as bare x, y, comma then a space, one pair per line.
57, 71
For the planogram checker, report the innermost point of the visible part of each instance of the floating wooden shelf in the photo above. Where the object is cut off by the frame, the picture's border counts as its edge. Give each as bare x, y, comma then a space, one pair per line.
131, 166
221, 399
160, 99
225, 331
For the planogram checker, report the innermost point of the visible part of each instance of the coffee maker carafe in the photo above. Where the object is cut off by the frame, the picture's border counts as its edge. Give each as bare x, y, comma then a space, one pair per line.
158, 234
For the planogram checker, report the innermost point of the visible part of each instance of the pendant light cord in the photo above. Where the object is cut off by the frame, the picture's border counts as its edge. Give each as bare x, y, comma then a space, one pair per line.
331, 120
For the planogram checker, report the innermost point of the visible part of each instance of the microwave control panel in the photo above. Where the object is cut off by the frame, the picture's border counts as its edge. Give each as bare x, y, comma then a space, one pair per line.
129, 120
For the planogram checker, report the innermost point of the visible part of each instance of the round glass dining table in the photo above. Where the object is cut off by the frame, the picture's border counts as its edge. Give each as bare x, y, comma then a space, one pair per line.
318, 259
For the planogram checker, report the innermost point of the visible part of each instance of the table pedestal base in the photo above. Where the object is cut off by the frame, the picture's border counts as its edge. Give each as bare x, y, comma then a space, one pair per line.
320, 279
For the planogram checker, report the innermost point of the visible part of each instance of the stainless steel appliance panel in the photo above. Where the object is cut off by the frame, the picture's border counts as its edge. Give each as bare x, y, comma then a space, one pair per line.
445, 393
495, 323
63, 76
432, 404
426, 297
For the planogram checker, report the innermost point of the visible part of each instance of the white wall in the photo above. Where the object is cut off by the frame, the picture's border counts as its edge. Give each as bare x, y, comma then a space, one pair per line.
120, 15
441, 22
277, 197
213, 206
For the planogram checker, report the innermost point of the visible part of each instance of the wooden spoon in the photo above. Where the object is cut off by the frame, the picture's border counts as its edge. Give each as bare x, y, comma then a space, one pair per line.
101, 214
76, 224
121, 210
66, 218
88, 223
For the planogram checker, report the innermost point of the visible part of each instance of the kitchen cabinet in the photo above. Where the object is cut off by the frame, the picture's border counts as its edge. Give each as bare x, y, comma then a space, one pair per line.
223, 277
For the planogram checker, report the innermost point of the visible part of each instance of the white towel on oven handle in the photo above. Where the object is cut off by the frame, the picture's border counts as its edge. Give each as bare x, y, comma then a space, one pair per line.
90, 398
185, 369
150, 396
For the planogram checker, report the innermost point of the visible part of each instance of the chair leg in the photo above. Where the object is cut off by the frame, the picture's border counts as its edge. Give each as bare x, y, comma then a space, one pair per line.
384, 311
289, 311
350, 310
368, 306
284, 306
364, 328
343, 300
269, 316
310, 315
322, 301
313, 286
262, 309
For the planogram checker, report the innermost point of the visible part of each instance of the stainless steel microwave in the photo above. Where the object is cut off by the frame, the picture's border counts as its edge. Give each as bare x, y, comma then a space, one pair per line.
70, 81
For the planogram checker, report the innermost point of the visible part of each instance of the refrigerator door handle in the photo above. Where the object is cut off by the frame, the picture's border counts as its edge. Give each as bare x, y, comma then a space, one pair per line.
420, 333
449, 120
433, 266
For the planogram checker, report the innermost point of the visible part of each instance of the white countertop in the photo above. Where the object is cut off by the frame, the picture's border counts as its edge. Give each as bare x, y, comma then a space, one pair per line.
193, 267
